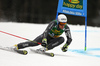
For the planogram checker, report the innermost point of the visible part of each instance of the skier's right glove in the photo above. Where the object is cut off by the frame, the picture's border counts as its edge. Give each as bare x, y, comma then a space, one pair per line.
44, 42
65, 48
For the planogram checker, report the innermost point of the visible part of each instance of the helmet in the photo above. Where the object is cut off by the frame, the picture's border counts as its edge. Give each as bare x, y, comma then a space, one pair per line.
62, 18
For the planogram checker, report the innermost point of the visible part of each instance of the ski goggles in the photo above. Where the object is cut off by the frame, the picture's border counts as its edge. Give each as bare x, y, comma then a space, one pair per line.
62, 23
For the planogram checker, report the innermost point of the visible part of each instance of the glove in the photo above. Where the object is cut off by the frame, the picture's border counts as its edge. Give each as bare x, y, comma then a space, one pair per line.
44, 42
65, 48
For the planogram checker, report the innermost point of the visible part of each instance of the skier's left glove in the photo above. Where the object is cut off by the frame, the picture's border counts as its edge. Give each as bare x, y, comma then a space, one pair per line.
64, 48
44, 42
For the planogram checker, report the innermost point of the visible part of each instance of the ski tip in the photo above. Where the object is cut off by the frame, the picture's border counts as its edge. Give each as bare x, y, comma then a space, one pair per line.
25, 52
52, 54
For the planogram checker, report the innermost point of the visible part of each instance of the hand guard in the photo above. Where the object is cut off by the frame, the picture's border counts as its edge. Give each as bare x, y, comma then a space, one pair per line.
44, 42
65, 48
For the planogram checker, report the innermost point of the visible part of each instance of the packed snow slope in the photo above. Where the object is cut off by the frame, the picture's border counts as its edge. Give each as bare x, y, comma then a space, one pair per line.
75, 56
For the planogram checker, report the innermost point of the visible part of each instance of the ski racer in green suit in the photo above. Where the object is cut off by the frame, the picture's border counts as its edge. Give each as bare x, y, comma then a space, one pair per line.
51, 36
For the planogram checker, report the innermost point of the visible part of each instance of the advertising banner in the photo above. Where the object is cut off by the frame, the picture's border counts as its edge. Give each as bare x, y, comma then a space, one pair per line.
73, 7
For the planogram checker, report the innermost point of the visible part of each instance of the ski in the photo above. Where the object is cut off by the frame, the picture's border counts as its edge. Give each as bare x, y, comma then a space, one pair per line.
24, 52
44, 53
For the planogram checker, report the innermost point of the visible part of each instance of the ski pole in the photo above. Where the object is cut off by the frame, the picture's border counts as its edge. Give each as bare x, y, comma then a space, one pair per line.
19, 37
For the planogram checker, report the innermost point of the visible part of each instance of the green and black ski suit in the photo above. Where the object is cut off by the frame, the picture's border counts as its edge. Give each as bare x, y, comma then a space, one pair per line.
52, 33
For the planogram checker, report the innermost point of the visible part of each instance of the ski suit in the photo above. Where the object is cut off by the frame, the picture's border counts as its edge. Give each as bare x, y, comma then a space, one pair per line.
52, 33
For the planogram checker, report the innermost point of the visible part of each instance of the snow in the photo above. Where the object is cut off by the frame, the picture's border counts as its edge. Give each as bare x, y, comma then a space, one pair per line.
75, 56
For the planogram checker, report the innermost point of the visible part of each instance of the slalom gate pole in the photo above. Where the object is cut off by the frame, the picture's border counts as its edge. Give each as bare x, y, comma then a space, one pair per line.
19, 37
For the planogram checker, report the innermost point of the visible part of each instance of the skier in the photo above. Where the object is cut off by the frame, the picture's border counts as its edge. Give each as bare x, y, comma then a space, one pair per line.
51, 36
